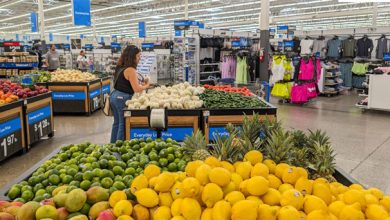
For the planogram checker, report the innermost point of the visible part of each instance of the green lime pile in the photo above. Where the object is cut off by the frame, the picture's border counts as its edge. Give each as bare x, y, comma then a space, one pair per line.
111, 166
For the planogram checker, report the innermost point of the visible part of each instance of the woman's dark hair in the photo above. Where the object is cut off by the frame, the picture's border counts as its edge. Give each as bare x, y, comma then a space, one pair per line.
128, 57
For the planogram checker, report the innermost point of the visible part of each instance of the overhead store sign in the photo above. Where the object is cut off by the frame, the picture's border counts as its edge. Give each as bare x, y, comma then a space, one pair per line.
141, 29
81, 12
88, 47
115, 47
12, 47
34, 22
177, 33
184, 24
50, 37
67, 47
147, 46
282, 29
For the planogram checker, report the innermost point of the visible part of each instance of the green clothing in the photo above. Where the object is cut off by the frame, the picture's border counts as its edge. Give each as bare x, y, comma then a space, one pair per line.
359, 68
242, 71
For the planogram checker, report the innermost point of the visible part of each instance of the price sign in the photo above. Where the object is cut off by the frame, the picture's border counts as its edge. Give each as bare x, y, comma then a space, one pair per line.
95, 99
39, 123
10, 137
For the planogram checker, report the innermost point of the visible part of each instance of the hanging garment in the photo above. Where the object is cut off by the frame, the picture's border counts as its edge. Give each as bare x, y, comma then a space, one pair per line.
318, 70
349, 47
307, 69
299, 94
360, 68
334, 46
320, 82
364, 47
319, 47
382, 47
282, 90
346, 74
242, 71
311, 90
297, 46
277, 69
228, 68
357, 81
306, 46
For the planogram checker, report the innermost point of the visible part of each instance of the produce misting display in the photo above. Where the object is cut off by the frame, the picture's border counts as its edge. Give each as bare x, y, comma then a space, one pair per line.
259, 171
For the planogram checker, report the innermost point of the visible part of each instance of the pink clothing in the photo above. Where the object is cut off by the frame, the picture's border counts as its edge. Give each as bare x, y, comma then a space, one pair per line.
228, 67
306, 71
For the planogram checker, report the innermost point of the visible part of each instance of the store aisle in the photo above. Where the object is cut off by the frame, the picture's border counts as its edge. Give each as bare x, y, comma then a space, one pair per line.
361, 140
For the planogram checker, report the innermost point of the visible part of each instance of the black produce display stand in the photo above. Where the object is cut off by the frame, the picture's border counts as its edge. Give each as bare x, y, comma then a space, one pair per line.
180, 124
12, 139
38, 113
76, 97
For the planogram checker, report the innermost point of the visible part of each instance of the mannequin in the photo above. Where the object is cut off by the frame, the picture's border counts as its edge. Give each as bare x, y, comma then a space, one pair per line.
364, 47
382, 47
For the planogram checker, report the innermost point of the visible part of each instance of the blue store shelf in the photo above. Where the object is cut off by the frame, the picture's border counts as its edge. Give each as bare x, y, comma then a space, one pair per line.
24, 65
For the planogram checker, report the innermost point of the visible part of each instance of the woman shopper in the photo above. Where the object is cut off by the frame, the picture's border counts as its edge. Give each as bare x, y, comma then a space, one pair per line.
126, 84
82, 62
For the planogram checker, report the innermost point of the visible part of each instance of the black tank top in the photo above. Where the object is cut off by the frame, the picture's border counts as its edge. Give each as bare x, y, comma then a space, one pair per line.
122, 84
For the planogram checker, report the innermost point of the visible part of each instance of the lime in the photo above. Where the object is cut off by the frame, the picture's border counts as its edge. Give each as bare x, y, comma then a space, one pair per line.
133, 142
13, 193
85, 209
63, 171
130, 171
134, 164
129, 194
112, 189
45, 182
70, 188
117, 170
56, 161
66, 179
32, 181
170, 150
164, 169
95, 179
171, 157
20, 200
127, 180
97, 172
178, 154
75, 183
177, 160
123, 149
74, 149
96, 154
119, 143
88, 150
125, 157
71, 172
23, 183
95, 165
121, 164
148, 148
78, 176
139, 170
119, 185
38, 187
163, 153
172, 167
141, 140
26, 188
149, 139
153, 156
163, 162
118, 178
50, 189
136, 147
88, 175
28, 195
168, 140
106, 182
38, 193
154, 162
85, 185
181, 166
95, 184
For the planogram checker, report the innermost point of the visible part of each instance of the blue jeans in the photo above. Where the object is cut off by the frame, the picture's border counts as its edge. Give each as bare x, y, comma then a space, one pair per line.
118, 103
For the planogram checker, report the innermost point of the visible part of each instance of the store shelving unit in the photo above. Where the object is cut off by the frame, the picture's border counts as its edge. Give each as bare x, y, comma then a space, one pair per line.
332, 81
15, 64
186, 59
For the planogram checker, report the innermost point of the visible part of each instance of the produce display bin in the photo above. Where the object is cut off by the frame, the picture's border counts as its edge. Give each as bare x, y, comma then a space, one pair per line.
11, 129
215, 120
76, 97
180, 124
38, 113
106, 88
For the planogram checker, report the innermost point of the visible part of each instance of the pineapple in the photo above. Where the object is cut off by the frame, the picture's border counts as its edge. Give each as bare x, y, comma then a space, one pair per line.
318, 136
323, 163
250, 133
196, 145
224, 148
301, 152
279, 147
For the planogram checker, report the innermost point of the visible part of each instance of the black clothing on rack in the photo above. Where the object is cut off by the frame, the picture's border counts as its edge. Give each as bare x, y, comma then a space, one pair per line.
364, 47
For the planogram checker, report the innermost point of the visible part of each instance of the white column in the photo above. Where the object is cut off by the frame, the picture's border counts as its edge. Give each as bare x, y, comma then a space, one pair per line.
95, 41
41, 19
186, 9
264, 15
374, 14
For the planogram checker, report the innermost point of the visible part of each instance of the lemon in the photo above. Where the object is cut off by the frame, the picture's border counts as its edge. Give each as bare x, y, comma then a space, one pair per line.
352, 196
289, 213
272, 197
234, 197
164, 182
124, 217
313, 203
140, 182
257, 186
179, 217
202, 174
304, 185
165, 199
280, 168
376, 192
147, 197
253, 157
284, 187
152, 170
244, 169
260, 169
176, 207
213, 161
227, 166
190, 208
303, 172
207, 214
192, 166
267, 212
211, 194
371, 199
222, 210
162, 213
117, 196
336, 207
321, 214
220, 176
229, 188
271, 165
356, 186
323, 192
291, 175
236, 179
255, 199
123, 207
376, 212
191, 187
140, 212
152, 182
293, 198
274, 182
244, 210
385, 202
177, 191
351, 213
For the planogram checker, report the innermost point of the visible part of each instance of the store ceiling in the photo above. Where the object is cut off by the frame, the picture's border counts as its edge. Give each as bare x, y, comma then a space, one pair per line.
121, 17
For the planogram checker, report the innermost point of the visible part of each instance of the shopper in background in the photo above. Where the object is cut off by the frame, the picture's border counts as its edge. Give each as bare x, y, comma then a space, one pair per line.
52, 59
125, 85
82, 62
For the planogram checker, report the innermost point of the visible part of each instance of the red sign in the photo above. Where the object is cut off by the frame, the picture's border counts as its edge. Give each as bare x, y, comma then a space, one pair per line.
15, 44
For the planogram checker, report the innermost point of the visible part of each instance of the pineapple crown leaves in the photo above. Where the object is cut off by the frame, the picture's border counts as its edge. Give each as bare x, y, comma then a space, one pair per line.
300, 139
223, 149
195, 142
279, 147
323, 162
318, 136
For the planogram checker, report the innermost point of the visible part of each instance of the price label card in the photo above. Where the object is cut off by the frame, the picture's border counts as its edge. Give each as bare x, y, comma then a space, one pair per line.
10, 137
39, 123
95, 99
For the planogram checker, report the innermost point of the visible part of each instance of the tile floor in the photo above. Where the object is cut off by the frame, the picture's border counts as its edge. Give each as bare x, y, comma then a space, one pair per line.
361, 139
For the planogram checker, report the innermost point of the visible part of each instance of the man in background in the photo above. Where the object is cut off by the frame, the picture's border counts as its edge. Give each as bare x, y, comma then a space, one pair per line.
52, 59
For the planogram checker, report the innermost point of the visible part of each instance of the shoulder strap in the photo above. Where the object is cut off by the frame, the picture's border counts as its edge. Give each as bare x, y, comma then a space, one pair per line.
117, 73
